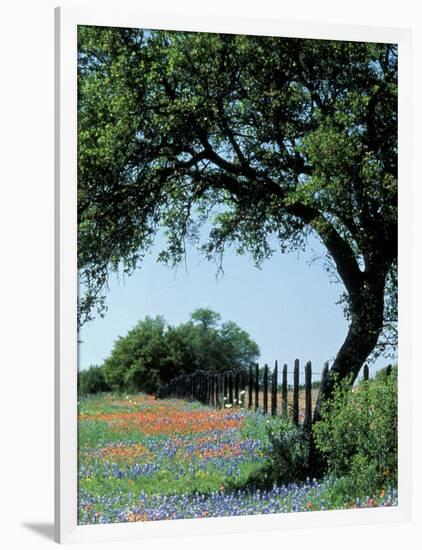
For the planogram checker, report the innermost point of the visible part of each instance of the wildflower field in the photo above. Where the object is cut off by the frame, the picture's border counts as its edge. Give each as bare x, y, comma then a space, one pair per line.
143, 459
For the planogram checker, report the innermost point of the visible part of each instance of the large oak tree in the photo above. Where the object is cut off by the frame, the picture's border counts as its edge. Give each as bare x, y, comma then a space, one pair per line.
259, 140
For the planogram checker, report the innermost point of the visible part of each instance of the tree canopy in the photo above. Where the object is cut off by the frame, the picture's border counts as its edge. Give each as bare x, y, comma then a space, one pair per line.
263, 140
154, 352
92, 380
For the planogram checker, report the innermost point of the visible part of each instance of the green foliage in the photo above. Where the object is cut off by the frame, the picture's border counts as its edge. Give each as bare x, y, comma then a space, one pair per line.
358, 434
382, 374
261, 140
136, 359
285, 446
289, 453
206, 318
153, 352
92, 380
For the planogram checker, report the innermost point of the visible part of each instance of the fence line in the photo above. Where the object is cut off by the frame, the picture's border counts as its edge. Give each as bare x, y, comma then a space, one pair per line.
246, 388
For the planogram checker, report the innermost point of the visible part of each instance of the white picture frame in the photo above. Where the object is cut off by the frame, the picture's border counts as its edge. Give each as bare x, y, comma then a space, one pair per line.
66, 528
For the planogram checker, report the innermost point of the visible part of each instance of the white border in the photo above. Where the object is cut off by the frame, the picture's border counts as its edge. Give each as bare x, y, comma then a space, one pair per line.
66, 528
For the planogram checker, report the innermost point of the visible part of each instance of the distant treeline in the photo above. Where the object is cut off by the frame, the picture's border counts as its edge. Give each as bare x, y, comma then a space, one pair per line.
154, 352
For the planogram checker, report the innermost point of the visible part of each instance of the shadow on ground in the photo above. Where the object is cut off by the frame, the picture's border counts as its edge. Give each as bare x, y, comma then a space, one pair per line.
46, 530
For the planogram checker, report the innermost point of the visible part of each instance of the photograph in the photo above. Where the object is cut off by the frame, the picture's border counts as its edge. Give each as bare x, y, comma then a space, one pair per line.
237, 256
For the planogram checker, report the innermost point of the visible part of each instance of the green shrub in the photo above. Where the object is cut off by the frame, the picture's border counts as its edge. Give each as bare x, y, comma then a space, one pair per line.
358, 434
285, 449
92, 380
289, 453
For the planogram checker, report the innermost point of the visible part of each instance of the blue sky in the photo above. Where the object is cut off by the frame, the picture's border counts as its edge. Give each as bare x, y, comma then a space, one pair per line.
288, 306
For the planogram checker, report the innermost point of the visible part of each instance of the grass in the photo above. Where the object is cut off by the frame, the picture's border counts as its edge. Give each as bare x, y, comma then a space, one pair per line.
162, 447
144, 459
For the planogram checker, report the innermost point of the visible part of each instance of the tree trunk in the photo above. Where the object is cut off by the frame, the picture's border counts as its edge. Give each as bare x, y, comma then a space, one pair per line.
364, 330
366, 325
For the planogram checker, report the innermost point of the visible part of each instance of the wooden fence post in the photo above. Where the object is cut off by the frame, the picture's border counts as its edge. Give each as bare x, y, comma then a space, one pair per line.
206, 388
210, 382
250, 382
296, 392
365, 372
243, 381
274, 390
324, 376
265, 389
236, 388
212, 390
257, 386
308, 396
284, 392
201, 387
202, 377
242, 386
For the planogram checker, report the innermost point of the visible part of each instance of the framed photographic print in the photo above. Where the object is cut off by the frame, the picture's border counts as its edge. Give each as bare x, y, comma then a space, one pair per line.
232, 275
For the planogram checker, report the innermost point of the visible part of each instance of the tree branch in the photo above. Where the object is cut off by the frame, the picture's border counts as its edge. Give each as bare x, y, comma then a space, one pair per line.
338, 248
